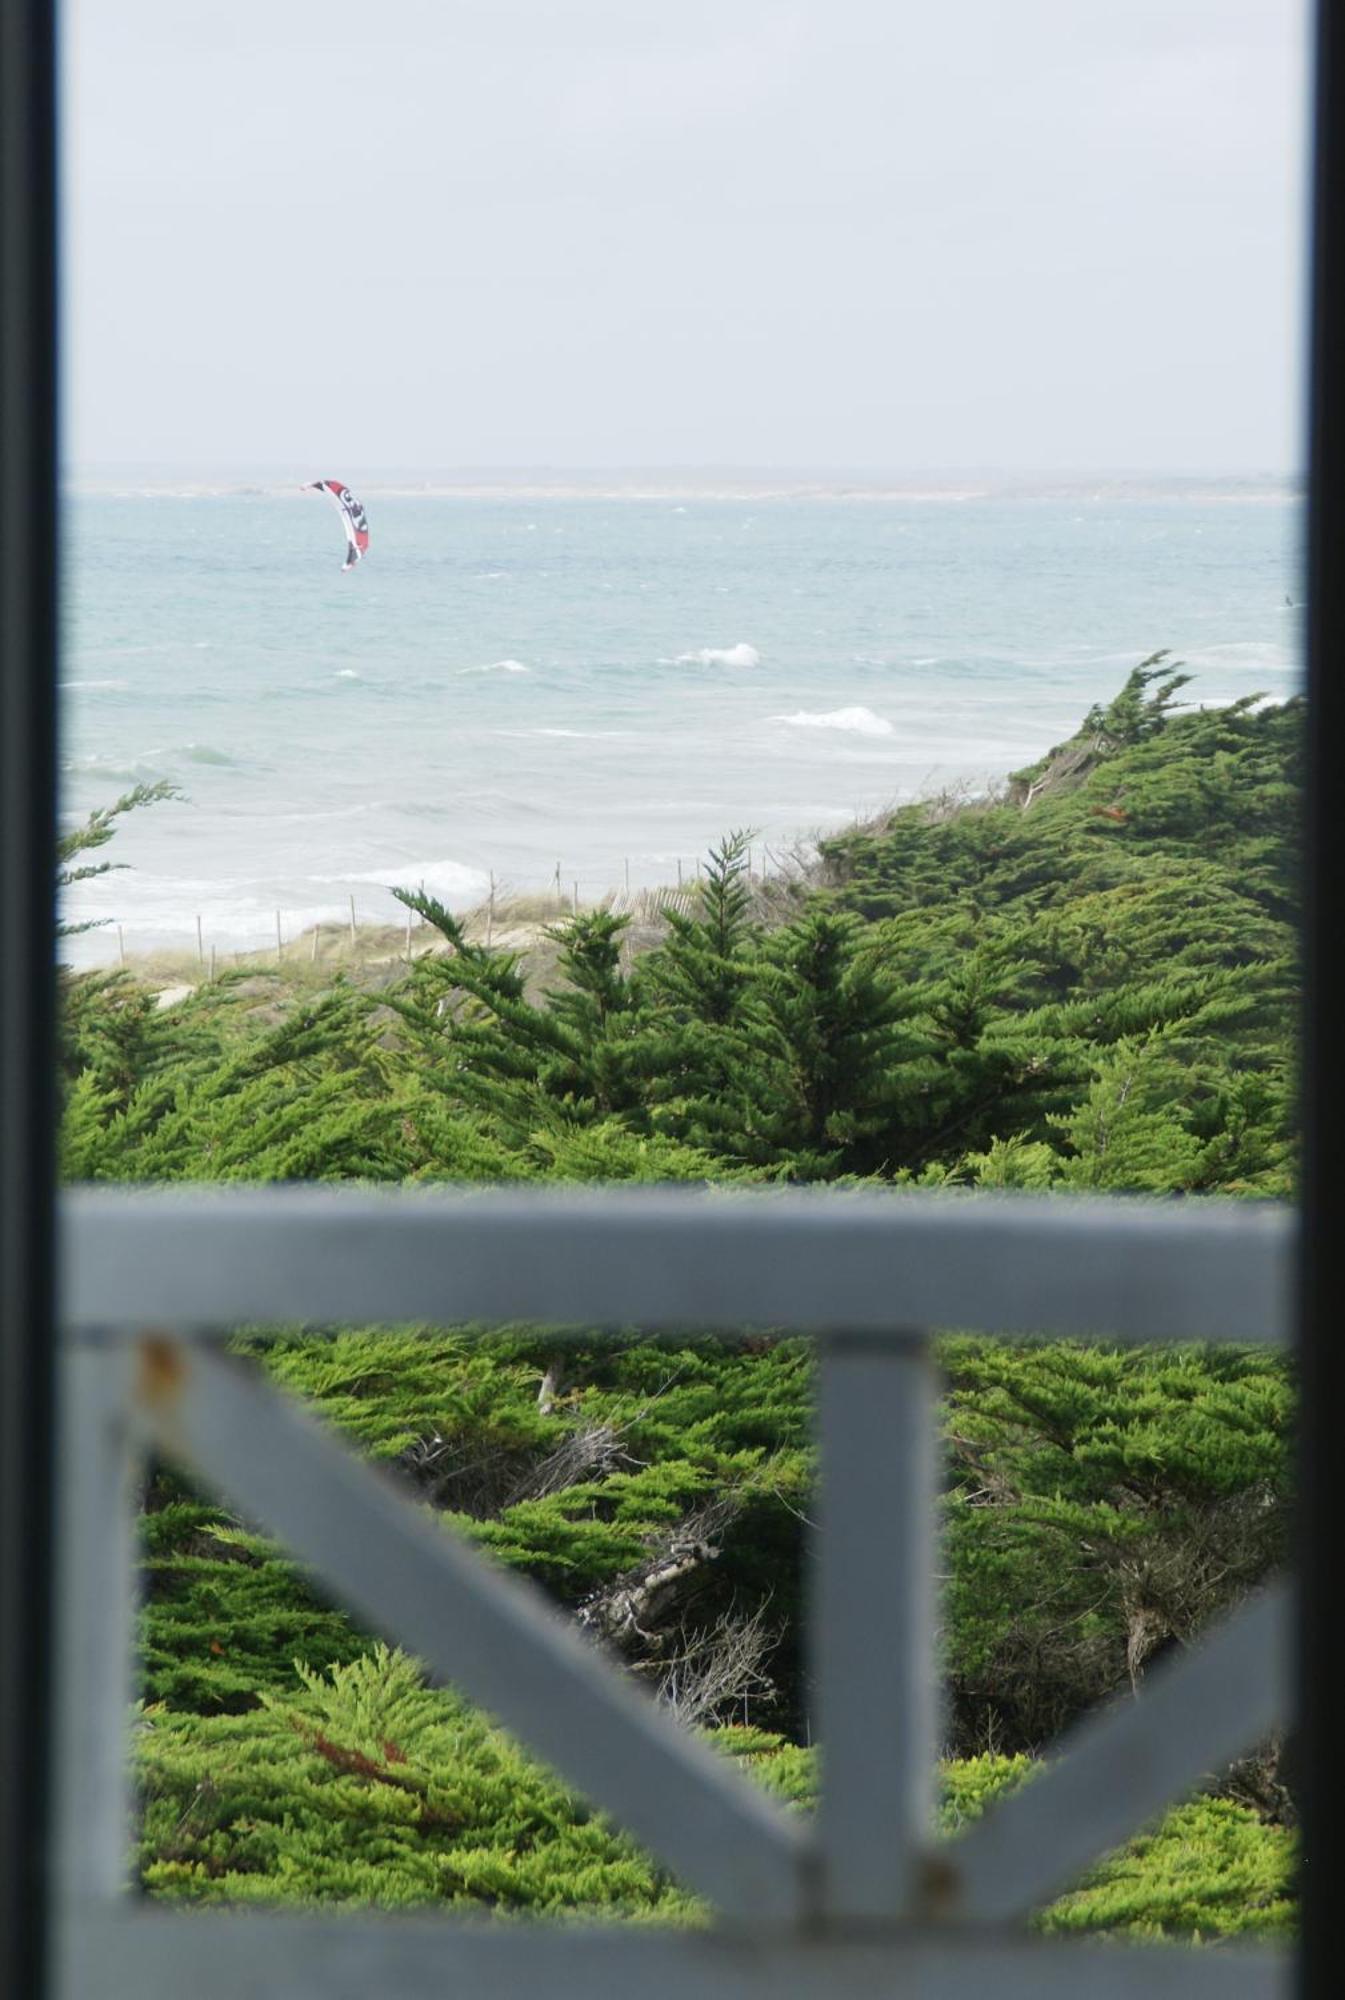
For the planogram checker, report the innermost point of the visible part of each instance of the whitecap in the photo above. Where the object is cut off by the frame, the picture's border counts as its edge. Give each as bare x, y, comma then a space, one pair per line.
580, 735
741, 655
346, 674
498, 667
1262, 656
859, 721
441, 878
103, 767
91, 687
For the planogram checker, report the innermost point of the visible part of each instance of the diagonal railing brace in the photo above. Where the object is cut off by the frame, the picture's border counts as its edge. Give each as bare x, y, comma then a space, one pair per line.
491, 1634
1120, 1768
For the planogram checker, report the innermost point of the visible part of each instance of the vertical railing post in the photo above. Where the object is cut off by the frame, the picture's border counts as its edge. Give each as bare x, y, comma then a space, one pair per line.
873, 1625
100, 1458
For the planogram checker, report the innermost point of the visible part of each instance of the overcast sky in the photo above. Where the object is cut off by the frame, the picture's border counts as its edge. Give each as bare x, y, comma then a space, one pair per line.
894, 234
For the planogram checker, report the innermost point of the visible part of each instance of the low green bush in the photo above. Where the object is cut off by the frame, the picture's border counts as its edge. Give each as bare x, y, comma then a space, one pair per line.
365, 1788
1086, 982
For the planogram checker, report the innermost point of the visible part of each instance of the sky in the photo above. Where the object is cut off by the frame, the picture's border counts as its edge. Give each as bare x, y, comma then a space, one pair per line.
883, 234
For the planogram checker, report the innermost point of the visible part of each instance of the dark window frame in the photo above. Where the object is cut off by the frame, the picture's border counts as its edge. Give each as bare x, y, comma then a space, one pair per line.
28, 614
1318, 1723
29, 572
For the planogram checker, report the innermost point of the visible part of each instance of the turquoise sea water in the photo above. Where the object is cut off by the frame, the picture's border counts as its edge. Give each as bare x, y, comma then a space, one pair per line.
513, 683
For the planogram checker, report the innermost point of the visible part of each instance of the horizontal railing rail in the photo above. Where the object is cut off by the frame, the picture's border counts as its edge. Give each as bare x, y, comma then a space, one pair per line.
804, 1260
275, 1956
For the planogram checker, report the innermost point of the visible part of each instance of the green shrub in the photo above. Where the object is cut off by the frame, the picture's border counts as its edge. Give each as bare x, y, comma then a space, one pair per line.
365, 1788
1087, 982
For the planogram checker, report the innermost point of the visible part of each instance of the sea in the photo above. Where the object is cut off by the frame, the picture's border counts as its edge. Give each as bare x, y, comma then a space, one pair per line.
584, 682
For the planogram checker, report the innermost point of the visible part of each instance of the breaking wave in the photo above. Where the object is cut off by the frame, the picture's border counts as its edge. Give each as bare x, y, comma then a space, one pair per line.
741, 655
156, 763
444, 879
578, 735
859, 721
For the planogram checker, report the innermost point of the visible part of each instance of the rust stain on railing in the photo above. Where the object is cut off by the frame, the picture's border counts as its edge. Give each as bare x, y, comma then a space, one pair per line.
161, 1373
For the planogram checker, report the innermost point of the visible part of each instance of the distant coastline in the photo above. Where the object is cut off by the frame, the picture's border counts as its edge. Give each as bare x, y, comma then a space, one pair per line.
695, 483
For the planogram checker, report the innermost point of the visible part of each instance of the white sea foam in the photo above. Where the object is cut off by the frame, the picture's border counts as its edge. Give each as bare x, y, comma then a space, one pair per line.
859, 721
92, 687
168, 905
239, 912
498, 667
1259, 655
579, 735
449, 880
107, 769
346, 674
741, 655
154, 763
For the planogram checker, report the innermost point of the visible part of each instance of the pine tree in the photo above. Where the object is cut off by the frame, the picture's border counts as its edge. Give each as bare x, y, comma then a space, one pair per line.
93, 833
705, 1051
854, 1056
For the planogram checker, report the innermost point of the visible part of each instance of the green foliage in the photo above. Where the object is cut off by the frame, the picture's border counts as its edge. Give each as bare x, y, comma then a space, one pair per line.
366, 1788
1212, 1869
584, 1496
1096, 972
225, 1615
1103, 1505
95, 832
306, 1100
1087, 983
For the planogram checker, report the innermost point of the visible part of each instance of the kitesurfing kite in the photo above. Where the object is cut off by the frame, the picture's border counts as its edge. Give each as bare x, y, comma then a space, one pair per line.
353, 517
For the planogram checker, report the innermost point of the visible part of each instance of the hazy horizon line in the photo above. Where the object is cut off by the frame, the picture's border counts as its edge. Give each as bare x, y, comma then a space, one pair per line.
726, 467
154, 478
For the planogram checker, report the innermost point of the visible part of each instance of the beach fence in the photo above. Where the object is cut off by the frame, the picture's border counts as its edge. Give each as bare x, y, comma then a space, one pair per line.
510, 913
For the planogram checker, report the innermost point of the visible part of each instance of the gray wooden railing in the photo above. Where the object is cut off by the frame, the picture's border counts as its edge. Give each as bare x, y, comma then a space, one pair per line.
861, 1899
